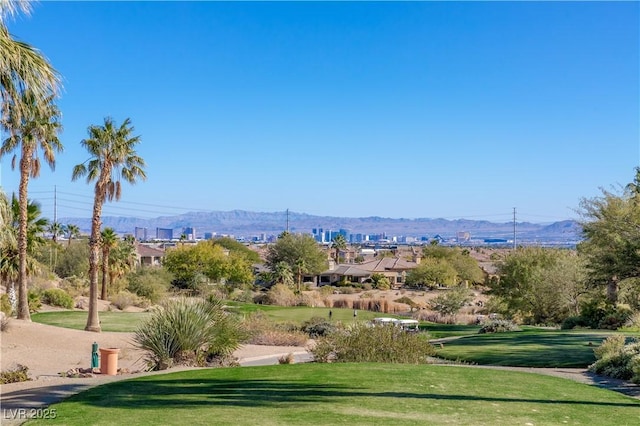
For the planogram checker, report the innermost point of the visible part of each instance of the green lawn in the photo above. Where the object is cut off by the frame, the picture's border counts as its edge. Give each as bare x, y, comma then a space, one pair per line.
438, 331
128, 321
352, 394
109, 321
529, 348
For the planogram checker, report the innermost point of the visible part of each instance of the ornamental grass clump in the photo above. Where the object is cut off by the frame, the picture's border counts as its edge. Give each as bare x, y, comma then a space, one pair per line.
366, 343
188, 331
617, 359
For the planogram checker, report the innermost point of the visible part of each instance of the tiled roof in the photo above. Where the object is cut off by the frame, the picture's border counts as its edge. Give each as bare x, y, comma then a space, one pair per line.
146, 251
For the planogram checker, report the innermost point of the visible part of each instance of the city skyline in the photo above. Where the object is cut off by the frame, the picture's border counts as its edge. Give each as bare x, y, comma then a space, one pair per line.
400, 110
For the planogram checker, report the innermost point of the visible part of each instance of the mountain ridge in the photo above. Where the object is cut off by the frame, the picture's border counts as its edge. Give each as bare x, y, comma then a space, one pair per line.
244, 223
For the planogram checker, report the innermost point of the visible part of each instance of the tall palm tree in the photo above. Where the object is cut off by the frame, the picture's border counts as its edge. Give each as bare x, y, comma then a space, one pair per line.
22, 67
113, 157
55, 229
73, 231
108, 241
9, 254
339, 243
30, 130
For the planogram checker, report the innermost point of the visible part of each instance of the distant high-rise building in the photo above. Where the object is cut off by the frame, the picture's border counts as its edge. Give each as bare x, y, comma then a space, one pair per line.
141, 234
463, 236
190, 233
164, 234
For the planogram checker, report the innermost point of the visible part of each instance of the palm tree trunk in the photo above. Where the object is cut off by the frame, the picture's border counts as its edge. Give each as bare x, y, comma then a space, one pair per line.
105, 270
23, 300
93, 321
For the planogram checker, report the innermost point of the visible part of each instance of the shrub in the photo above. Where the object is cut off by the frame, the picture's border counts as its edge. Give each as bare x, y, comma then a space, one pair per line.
281, 295
451, 301
318, 327
286, 359
633, 323
124, 299
187, 331
57, 297
617, 360
498, 326
75, 286
150, 283
363, 343
5, 305
33, 298
260, 330
18, 374
572, 322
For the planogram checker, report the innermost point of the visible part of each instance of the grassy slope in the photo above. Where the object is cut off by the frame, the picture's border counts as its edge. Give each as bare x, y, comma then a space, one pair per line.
354, 394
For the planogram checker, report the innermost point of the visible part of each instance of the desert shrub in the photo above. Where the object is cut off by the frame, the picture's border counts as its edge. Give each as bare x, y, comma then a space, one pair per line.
318, 327
498, 326
380, 282
5, 305
325, 291
75, 286
281, 295
309, 299
616, 359
286, 359
124, 299
188, 331
150, 283
5, 322
407, 301
15, 375
261, 330
363, 343
33, 298
57, 297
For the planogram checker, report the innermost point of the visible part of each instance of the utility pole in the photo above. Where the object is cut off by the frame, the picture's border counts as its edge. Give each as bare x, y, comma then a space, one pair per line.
287, 221
514, 228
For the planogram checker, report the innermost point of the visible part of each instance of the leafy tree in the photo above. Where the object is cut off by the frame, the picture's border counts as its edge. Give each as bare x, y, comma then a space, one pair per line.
282, 274
73, 261
540, 285
431, 273
32, 126
300, 252
206, 260
611, 227
451, 301
113, 157
380, 282
237, 247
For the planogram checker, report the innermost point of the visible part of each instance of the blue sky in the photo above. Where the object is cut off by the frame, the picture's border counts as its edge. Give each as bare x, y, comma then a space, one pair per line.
403, 110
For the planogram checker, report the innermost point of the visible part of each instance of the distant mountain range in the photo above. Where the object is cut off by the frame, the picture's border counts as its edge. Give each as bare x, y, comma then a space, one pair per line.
247, 224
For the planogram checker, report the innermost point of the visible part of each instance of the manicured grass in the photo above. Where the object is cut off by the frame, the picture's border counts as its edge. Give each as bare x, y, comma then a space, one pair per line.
353, 394
109, 321
300, 314
438, 331
530, 348
128, 321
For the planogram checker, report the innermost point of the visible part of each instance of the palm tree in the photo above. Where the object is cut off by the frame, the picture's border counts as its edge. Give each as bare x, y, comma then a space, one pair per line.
32, 128
23, 67
72, 232
9, 254
55, 229
112, 157
108, 241
339, 243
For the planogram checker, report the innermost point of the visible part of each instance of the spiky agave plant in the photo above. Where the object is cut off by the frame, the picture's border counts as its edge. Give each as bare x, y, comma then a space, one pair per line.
187, 330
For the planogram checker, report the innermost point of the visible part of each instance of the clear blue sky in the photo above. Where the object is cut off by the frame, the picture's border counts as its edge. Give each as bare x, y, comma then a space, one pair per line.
412, 110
